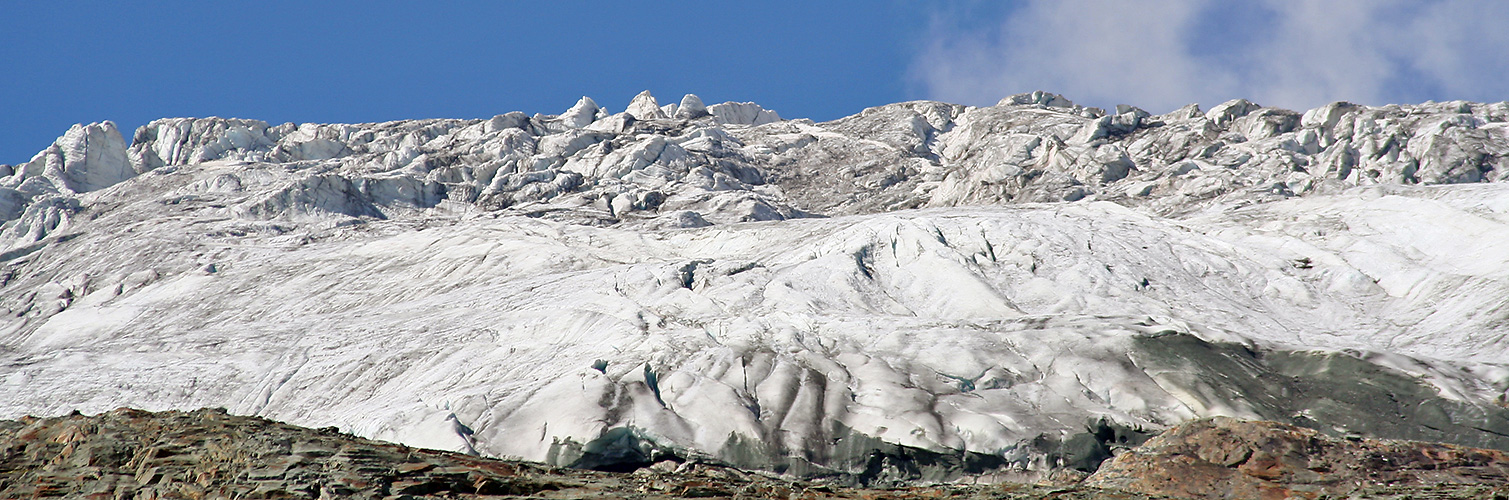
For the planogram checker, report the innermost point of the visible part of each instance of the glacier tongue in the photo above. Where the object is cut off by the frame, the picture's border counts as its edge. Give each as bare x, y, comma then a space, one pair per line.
789, 295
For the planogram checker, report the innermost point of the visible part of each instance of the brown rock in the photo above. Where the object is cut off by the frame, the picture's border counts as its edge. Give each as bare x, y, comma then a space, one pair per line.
1227, 458
209, 454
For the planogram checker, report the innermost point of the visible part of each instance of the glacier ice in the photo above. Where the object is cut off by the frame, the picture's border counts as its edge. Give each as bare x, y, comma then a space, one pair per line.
86, 158
644, 107
690, 107
728, 284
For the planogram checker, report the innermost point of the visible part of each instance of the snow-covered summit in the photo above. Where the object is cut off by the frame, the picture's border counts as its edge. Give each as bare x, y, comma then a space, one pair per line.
986, 282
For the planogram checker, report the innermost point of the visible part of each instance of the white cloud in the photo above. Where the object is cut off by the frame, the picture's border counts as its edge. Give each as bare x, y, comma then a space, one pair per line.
1163, 54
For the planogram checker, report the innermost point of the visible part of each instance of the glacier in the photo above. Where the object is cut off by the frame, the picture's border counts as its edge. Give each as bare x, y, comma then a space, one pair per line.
715, 282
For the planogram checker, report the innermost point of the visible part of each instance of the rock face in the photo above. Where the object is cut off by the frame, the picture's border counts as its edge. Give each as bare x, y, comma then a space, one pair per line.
1227, 458
135, 454
1015, 287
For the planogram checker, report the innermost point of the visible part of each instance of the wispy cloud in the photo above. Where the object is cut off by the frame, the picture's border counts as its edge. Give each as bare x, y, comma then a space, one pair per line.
1163, 54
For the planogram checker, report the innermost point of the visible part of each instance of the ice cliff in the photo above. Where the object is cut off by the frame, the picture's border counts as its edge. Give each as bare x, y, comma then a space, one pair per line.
1012, 286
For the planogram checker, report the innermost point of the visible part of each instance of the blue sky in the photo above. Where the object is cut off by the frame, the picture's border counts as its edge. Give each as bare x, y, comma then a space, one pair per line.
85, 61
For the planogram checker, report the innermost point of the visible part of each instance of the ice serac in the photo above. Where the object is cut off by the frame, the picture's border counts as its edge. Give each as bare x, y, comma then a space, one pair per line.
86, 158
582, 114
691, 107
742, 113
997, 287
644, 107
183, 140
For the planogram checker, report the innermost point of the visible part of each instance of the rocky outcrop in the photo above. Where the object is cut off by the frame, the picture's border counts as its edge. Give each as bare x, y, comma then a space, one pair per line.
1228, 458
210, 454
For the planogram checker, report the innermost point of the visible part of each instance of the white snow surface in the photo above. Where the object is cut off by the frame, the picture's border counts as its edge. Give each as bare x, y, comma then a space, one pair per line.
503, 285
